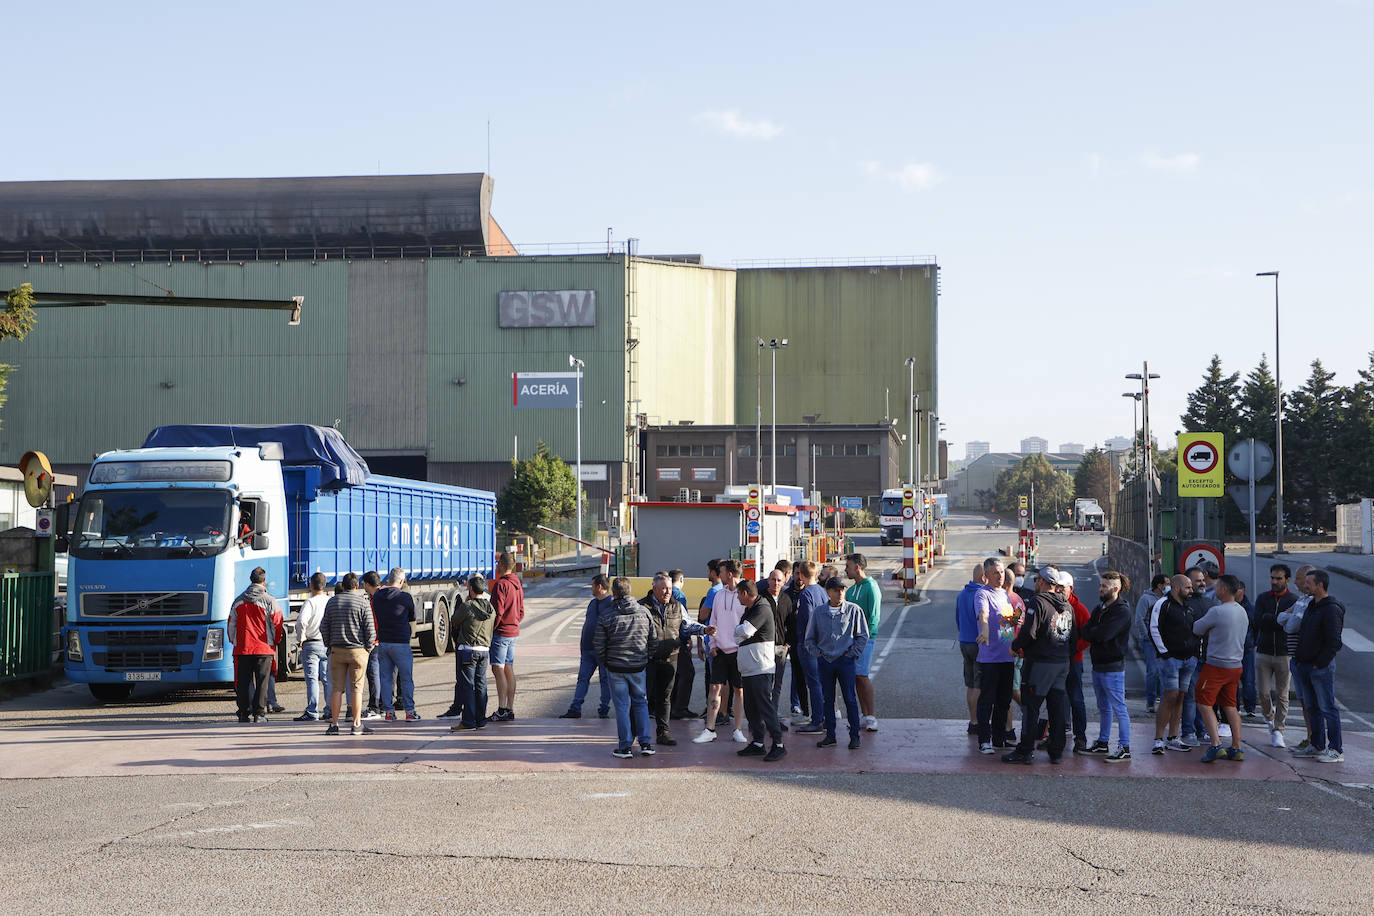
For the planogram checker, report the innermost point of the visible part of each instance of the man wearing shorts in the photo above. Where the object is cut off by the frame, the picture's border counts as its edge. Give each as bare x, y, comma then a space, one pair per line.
350, 633
1171, 629
1225, 625
726, 614
508, 597
966, 619
868, 596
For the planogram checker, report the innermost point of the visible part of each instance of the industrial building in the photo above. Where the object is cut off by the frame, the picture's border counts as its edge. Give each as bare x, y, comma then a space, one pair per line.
972, 487
419, 311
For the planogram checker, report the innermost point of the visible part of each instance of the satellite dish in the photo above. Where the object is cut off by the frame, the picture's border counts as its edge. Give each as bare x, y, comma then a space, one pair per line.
37, 477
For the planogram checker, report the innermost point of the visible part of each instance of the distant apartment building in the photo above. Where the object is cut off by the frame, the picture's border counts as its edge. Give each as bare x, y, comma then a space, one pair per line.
1035, 446
975, 450
1071, 448
1116, 444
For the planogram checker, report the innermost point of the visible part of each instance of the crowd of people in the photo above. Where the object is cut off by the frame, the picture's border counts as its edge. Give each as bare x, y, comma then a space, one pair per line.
1209, 653
1213, 658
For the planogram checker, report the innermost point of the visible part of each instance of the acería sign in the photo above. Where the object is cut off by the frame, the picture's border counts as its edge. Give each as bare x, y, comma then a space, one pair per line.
125, 471
547, 308
544, 389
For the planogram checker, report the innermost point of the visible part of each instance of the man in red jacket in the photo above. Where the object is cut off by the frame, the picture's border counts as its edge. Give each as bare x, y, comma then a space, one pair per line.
508, 598
255, 628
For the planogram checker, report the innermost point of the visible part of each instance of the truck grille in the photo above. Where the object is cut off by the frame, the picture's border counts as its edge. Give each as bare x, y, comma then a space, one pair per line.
141, 658
136, 638
143, 604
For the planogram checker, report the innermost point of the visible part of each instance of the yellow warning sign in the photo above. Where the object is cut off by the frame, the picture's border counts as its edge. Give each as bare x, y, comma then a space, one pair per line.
1201, 471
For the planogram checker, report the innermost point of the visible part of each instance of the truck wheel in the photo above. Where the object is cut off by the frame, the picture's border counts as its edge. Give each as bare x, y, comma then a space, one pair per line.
111, 693
283, 662
434, 641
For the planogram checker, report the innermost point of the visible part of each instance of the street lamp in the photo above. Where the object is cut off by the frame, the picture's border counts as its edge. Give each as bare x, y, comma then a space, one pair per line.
1278, 418
910, 363
1135, 420
577, 364
1147, 468
775, 344
758, 413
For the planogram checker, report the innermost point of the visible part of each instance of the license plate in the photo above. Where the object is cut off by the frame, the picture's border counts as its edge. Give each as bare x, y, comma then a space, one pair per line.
142, 675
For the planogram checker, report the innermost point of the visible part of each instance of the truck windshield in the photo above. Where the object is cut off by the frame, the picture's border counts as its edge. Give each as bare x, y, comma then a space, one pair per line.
892, 505
151, 524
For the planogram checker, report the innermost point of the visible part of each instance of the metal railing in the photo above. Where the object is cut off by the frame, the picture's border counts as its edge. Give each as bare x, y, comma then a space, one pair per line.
26, 625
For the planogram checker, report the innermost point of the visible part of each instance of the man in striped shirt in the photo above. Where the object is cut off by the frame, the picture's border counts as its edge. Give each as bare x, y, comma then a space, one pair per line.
350, 633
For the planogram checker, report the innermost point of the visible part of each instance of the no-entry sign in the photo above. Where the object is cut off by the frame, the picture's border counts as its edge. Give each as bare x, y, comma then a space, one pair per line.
1200, 471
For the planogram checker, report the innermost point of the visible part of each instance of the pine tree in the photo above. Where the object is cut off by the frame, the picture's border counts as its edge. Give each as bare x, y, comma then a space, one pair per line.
1355, 449
1310, 452
1212, 405
542, 491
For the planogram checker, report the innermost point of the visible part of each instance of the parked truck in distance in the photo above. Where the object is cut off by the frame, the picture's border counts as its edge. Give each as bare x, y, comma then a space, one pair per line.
1088, 515
165, 536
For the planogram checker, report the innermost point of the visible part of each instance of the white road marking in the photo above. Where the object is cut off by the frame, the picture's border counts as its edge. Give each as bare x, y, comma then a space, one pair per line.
1355, 641
606, 795
901, 619
1330, 791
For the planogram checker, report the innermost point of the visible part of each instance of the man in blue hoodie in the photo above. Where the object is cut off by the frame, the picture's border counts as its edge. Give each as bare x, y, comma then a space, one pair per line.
601, 600
966, 619
811, 600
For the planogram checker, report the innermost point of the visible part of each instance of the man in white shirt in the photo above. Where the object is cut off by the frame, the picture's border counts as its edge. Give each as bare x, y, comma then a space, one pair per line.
314, 657
726, 614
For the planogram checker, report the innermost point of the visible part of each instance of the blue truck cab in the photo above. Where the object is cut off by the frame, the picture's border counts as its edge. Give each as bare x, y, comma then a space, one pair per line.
165, 537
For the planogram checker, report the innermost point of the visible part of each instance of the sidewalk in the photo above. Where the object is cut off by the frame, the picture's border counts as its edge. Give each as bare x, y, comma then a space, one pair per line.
283, 747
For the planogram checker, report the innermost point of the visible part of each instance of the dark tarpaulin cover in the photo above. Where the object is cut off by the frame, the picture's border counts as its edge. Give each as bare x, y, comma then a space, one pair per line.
321, 446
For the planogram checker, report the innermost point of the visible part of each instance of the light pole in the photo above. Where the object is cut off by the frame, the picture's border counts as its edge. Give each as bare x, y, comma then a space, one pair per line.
1278, 418
758, 414
576, 363
1135, 421
910, 362
1147, 468
775, 344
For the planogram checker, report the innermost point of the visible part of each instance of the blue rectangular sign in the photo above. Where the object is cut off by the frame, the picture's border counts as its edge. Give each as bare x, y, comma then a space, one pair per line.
851, 502
544, 389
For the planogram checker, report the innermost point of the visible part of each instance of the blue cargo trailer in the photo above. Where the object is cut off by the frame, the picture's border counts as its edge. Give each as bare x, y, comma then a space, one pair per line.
166, 536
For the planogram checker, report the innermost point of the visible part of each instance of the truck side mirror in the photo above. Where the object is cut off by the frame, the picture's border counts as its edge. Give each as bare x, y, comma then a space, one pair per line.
260, 525
62, 526
259, 542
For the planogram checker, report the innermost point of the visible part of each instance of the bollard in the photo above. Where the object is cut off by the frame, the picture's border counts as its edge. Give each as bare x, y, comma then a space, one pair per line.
605, 563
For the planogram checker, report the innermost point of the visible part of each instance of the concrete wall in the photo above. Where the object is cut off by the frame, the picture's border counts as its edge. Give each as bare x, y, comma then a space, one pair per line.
1132, 560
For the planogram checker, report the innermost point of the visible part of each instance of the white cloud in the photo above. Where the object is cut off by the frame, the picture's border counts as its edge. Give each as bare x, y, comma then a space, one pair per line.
731, 122
912, 176
1179, 164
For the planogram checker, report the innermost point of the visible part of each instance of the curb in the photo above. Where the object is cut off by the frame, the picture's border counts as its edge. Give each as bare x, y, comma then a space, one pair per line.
1360, 577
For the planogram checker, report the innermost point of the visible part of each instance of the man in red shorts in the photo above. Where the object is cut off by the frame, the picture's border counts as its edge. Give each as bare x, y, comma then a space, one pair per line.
1223, 626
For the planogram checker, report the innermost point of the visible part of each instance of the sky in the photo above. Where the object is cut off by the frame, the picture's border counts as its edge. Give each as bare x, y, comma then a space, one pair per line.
1099, 182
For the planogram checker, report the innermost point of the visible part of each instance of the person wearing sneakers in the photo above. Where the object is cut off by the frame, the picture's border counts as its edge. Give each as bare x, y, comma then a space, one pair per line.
1171, 630
1108, 631
601, 599
314, 656
1291, 621
472, 625
622, 642
1319, 639
1224, 625
996, 630
670, 626
508, 598
811, 601
835, 638
1047, 638
966, 621
867, 595
1271, 651
350, 633
757, 635
395, 613
726, 613
1158, 586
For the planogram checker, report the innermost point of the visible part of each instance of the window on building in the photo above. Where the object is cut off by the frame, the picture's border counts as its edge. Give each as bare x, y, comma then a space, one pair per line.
717, 451
696, 451
863, 448
850, 450
789, 450
661, 451
745, 451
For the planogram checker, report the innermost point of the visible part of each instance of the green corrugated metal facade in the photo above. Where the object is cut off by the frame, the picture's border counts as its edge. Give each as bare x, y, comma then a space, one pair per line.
850, 329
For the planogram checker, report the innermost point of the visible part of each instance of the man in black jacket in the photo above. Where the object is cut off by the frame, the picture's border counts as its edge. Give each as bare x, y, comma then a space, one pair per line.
1171, 629
622, 642
1047, 639
1271, 651
786, 626
1319, 639
757, 638
1109, 632
670, 625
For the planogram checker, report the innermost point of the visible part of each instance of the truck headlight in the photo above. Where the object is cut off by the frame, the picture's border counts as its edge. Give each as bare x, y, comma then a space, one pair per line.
74, 646
214, 645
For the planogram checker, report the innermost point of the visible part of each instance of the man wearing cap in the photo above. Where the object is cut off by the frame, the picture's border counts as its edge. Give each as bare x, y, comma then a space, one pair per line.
836, 636
1046, 639
1078, 708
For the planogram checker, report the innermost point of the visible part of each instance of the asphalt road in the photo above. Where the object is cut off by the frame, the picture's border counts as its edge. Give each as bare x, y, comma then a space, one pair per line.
733, 840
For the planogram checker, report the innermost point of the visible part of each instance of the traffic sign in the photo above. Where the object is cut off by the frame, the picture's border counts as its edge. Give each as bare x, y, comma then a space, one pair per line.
1241, 494
1238, 460
1025, 504
1200, 472
851, 502
920, 516
753, 513
42, 526
1199, 554
908, 511
1023, 512
753, 528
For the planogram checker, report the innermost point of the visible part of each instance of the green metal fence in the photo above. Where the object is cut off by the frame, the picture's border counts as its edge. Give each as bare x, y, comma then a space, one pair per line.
26, 625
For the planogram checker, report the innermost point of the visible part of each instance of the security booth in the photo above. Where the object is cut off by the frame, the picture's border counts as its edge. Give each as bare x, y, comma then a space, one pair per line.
688, 535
